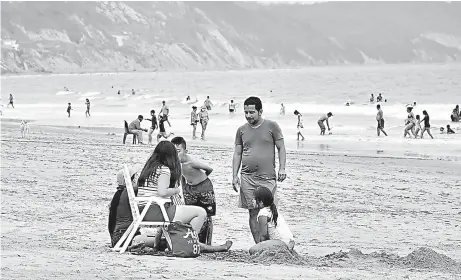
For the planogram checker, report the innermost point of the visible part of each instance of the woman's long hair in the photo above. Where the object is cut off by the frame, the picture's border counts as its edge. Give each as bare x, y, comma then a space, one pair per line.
164, 154
265, 195
113, 211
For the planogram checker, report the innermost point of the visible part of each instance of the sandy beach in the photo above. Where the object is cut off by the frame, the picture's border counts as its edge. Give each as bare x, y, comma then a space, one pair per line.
353, 217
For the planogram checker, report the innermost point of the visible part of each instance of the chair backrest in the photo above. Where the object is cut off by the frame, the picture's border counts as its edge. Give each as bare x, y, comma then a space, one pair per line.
131, 194
126, 127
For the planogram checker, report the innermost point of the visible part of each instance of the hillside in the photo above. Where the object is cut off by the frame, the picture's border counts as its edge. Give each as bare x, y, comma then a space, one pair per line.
130, 36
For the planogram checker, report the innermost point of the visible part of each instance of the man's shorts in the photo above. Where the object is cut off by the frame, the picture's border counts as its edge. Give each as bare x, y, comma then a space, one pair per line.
381, 123
322, 126
201, 195
248, 185
208, 108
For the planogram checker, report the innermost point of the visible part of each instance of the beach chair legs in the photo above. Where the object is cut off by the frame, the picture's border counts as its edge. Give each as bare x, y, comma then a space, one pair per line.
118, 246
135, 227
135, 138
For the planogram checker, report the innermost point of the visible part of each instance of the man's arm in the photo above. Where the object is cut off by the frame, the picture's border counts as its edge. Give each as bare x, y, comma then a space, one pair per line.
280, 144
263, 233
328, 125
237, 160
200, 165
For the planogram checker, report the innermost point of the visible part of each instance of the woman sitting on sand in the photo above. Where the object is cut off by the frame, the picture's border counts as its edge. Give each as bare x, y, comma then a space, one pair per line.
159, 178
409, 123
270, 235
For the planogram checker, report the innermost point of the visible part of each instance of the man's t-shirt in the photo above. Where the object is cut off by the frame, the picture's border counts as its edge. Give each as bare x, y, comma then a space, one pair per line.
136, 124
258, 156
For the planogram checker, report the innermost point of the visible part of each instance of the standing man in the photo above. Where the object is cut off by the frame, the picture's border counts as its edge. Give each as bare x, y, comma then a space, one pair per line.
164, 112
254, 150
204, 118
135, 127
380, 120
153, 125
11, 101
194, 119
87, 112
208, 103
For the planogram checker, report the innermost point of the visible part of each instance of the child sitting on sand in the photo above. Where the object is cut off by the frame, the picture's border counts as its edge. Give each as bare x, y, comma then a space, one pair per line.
270, 233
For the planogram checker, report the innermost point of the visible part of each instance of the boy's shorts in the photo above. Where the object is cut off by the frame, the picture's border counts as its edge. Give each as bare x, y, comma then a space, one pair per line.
322, 126
248, 185
201, 195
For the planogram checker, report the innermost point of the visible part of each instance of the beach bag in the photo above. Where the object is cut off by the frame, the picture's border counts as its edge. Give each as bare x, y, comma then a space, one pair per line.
182, 240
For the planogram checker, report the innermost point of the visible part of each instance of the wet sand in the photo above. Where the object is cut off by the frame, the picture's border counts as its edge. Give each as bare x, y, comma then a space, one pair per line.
354, 217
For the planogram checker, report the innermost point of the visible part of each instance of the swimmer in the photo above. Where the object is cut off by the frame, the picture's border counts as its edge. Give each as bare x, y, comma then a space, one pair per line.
87, 112
449, 130
232, 107
300, 125
118, 92
69, 107
380, 120
379, 98
427, 126
372, 98
132, 92
269, 234
188, 98
282, 109
409, 123
321, 125
208, 103
417, 126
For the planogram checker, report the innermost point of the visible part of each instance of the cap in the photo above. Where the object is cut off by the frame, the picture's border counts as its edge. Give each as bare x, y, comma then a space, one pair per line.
121, 177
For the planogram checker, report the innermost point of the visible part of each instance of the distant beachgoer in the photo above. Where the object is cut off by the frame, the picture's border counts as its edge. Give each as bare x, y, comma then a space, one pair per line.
427, 126
153, 125
268, 233
255, 144
232, 107
194, 119
135, 127
162, 131
282, 109
87, 112
11, 102
347, 104
66, 89
449, 130
380, 120
133, 92
300, 125
208, 103
204, 118
188, 98
165, 112
372, 98
455, 115
379, 98
118, 92
197, 187
69, 107
323, 119
409, 123
417, 126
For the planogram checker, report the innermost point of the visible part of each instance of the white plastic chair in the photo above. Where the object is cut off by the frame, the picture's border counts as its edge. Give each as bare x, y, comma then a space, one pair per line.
138, 222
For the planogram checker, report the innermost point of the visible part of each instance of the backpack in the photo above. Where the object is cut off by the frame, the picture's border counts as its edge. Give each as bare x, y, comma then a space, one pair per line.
182, 240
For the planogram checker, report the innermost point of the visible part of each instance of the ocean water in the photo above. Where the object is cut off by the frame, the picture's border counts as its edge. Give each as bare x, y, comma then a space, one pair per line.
312, 91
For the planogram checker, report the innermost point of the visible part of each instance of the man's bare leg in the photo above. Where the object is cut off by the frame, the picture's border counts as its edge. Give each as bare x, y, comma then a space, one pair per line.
254, 224
204, 248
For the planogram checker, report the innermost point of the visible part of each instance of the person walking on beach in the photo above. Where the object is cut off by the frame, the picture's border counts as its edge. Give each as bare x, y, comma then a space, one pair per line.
164, 112
300, 125
232, 107
321, 125
87, 112
11, 102
255, 152
282, 109
380, 120
153, 125
194, 119
197, 187
162, 131
409, 123
69, 107
417, 126
208, 103
204, 118
427, 126
135, 127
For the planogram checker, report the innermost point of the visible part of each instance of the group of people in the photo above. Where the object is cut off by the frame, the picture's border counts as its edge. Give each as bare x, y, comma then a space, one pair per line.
87, 104
170, 168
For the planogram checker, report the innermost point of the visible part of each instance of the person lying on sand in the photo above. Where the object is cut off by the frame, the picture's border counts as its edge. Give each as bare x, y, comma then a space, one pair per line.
269, 234
159, 178
197, 187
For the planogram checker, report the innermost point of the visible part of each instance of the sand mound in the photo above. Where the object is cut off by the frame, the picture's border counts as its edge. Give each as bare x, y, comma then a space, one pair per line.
429, 259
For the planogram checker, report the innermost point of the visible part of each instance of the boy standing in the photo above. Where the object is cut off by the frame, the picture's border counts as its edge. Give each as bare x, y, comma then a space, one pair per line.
153, 126
197, 187
194, 119
162, 132
69, 107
